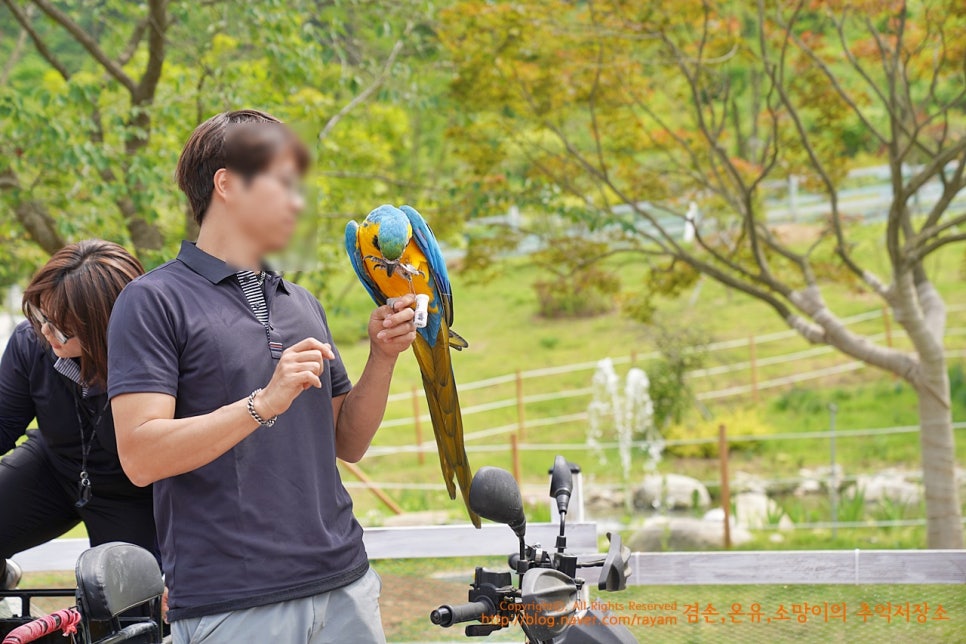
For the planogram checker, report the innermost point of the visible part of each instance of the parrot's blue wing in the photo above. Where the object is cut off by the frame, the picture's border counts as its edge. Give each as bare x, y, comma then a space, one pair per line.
426, 241
355, 256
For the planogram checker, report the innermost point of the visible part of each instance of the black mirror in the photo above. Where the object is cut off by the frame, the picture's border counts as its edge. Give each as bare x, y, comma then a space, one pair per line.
561, 483
614, 573
494, 495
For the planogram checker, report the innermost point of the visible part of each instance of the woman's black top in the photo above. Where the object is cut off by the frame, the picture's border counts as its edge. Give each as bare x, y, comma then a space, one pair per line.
31, 388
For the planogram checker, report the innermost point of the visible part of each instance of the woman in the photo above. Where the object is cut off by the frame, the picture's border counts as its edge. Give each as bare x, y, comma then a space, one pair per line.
54, 370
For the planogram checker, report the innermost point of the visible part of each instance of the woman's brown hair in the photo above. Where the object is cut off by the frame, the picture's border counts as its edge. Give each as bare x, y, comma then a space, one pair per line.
76, 290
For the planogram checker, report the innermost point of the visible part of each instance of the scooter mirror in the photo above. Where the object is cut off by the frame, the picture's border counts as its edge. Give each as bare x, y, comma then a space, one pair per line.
561, 483
494, 495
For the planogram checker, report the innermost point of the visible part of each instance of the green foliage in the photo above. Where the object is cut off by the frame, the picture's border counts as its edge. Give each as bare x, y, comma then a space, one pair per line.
957, 385
578, 286
851, 507
549, 342
739, 422
68, 142
682, 348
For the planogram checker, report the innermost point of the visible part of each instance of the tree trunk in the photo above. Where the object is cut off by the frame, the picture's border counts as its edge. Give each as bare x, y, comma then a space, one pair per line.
943, 511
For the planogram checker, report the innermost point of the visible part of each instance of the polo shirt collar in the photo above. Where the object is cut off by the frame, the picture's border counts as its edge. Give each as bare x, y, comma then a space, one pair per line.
214, 269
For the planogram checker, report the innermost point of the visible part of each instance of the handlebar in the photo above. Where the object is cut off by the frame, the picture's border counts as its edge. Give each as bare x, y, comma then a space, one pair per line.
65, 620
449, 614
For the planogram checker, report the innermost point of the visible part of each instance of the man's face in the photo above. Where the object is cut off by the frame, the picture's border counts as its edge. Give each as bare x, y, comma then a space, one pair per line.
267, 206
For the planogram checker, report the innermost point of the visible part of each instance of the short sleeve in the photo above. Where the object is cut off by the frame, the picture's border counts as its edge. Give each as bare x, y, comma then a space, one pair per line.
16, 402
341, 385
143, 353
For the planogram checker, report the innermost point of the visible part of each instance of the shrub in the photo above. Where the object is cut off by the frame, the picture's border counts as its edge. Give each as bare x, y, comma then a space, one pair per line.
739, 422
585, 293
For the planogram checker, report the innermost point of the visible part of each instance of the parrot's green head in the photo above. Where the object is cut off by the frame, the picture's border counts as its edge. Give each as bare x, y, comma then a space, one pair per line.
391, 231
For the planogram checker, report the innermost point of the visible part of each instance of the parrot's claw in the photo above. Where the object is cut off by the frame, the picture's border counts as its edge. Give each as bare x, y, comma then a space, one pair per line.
391, 267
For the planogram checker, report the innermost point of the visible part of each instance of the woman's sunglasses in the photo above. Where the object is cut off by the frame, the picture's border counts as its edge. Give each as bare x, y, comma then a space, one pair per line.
40, 320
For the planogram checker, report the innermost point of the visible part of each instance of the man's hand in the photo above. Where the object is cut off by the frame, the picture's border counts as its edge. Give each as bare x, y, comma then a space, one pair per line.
298, 369
391, 328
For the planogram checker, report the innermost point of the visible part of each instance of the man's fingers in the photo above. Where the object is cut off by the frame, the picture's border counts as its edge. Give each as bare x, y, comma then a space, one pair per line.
396, 331
310, 344
405, 315
311, 366
308, 379
403, 302
312, 356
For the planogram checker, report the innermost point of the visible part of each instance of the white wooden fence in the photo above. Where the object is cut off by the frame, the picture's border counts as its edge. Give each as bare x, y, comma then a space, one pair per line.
646, 568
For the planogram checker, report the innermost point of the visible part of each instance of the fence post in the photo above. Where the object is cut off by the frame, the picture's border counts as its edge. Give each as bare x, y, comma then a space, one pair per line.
753, 361
833, 488
521, 424
372, 487
417, 422
725, 490
515, 454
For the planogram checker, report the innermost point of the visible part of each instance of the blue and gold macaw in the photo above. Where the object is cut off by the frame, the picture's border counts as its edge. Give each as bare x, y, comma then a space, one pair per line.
395, 253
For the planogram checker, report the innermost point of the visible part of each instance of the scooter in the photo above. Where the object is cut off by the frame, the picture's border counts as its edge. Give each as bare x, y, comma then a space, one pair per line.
549, 601
117, 583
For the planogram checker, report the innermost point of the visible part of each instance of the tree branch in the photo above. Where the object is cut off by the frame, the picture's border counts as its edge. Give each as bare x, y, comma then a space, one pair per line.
41, 46
33, 216
376, 83
157, 24
87, 42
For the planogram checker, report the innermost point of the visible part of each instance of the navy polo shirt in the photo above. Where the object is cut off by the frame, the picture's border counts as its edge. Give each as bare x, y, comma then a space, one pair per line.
269, 520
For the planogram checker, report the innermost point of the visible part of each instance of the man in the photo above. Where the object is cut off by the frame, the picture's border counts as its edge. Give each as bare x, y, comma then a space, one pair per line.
229, 396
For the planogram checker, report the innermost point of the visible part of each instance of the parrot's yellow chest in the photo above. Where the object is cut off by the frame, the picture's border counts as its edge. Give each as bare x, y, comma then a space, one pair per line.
397, 284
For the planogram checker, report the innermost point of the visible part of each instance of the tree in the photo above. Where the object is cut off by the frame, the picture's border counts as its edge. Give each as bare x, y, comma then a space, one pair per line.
627, 107
96, 103
134, 125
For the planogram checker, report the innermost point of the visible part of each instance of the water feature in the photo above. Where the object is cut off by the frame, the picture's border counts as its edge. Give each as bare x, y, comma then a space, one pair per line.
625, 417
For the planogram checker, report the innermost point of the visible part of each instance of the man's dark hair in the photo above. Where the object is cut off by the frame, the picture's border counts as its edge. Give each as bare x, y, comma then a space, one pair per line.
244, 141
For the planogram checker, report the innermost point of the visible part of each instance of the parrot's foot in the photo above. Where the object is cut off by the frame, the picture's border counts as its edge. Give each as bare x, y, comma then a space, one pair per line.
406, 271
409, 271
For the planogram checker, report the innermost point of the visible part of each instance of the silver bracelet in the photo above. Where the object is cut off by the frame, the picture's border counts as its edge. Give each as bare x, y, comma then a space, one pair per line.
254, 414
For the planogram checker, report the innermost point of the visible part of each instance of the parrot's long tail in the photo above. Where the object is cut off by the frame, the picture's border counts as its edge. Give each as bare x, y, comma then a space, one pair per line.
444, 410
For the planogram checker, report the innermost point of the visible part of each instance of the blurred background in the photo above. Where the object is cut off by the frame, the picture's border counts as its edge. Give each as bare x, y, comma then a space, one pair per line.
670, 227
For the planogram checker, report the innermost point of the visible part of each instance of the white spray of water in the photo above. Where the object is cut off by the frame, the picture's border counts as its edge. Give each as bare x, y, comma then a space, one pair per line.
627, 415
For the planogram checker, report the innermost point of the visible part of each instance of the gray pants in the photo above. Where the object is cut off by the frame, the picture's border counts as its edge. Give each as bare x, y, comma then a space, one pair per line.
347, 614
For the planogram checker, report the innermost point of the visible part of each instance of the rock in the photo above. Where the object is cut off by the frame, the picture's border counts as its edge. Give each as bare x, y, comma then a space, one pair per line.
887, 485
808, 486
427, 517
715, 514
776, 537
747, 482
818, 480
754, 511
671, 491
683, 533
603, 498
